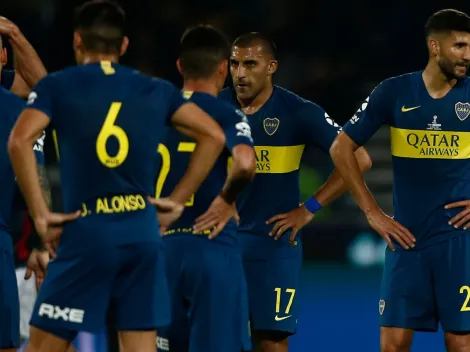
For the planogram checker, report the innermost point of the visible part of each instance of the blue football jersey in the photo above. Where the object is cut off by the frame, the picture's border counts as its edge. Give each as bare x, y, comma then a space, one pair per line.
281, 129
176, 153
10, 207
109, 121
430, 146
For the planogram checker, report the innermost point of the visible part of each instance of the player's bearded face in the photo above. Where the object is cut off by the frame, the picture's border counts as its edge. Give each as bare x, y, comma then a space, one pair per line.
248, 68
454, 58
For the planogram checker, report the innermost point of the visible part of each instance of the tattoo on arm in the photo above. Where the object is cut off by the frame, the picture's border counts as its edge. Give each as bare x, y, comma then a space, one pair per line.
46, 189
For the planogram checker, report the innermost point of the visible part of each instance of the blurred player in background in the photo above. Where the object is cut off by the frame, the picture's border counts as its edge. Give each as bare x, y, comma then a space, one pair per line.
427, 112
28, 65
282, 124
205, 270
109, 121
11, 204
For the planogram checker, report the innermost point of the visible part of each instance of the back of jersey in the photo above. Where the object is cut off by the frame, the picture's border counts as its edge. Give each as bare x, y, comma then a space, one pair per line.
176, 153
108, 121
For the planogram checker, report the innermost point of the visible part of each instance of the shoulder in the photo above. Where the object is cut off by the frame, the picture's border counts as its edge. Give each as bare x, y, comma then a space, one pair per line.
393, 85
227, 94
10, 102
301, 106
219, 109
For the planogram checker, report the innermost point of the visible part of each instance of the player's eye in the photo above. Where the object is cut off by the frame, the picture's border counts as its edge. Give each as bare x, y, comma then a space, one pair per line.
461, 45
233, 63
250, 63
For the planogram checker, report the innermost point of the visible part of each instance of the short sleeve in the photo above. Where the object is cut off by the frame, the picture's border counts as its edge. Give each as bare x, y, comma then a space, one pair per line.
7, 78
236, 128
40, 97
175, 100
317, 127
39, 149
373, 113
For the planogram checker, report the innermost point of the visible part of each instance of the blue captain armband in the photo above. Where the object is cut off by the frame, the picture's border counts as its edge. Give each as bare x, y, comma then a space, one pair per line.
312, 205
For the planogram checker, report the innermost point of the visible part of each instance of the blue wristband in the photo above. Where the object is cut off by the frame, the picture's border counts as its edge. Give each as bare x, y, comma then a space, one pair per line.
312, 205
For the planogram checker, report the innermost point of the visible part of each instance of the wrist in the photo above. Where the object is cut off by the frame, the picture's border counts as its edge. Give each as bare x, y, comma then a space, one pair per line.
312, 205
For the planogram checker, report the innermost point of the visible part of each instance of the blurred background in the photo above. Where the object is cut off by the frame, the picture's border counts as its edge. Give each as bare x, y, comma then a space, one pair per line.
331, 52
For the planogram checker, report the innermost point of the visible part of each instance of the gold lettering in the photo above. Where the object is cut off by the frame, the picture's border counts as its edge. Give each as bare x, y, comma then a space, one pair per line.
119, 204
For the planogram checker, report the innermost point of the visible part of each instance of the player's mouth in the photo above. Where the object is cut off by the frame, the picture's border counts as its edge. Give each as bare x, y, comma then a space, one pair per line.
242, 85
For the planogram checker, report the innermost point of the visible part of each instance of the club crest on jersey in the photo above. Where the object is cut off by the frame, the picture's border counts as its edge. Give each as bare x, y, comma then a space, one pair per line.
271, 125
381, 306
462, 110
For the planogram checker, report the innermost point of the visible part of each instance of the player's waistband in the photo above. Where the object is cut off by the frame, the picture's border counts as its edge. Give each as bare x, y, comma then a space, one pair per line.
186, 231
115, 204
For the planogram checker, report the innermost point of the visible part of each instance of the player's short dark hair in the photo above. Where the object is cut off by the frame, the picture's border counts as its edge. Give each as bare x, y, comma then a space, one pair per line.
447, 20
101, 24
256, 38
202, 49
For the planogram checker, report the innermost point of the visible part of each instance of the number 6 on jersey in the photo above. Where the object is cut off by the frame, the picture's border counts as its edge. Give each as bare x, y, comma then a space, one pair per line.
110, 129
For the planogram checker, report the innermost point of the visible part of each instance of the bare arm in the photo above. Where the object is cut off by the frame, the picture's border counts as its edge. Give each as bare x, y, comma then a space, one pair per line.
342, 153
241, 172
28, 65
27, 130
191, 121
335, 186
45, 186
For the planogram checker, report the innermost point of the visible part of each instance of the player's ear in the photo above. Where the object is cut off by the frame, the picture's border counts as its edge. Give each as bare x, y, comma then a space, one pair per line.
179, 66
433, 47
124, 45
77, 41
272, 67
223, 68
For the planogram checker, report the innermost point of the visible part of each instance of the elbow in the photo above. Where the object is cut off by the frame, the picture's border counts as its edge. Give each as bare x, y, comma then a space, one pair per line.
335, 150
247, 166
14, 145
244, 162
364, 160
218, 138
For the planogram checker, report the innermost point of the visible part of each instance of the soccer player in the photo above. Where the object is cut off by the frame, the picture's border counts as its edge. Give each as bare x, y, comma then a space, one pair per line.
11, 107
205, 270
109, 266
425, 278
28, 65
282, 124
11, 205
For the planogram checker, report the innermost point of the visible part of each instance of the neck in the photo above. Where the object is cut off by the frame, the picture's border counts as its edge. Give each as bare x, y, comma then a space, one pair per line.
253, 104
94, 58
435, 80
201, 86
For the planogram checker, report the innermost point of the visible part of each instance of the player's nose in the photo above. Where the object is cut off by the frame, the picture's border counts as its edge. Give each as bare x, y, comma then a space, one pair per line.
241, 72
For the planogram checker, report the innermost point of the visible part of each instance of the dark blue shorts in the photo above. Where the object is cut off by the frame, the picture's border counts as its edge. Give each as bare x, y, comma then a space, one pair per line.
103, 276
273, 286
425, 287
9, 300
209, 298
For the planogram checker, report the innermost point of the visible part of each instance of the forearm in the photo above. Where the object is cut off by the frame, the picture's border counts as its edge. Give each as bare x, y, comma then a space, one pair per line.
23, 161
45, 186
335, 186
202, 160
26, 60
347, 165
237, 180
